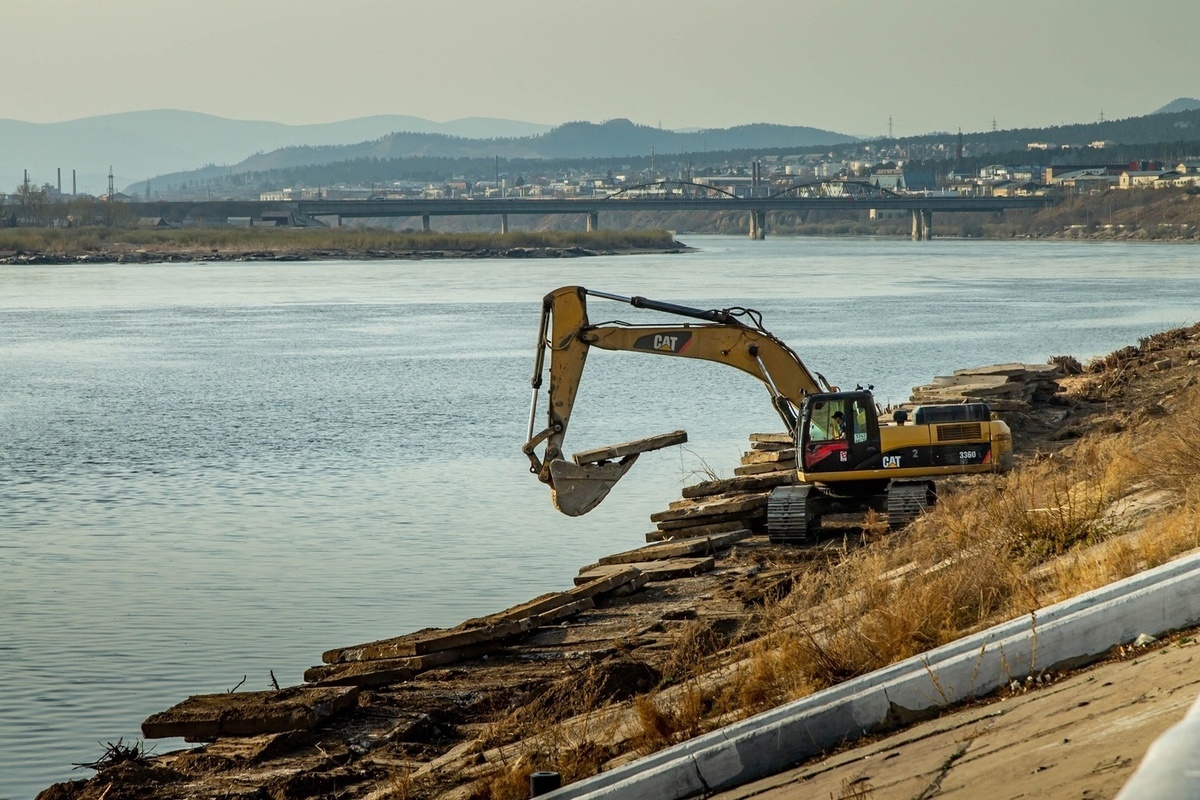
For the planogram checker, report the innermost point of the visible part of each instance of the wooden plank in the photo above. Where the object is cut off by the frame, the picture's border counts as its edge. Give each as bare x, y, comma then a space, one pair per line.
610, 581
248, 750
745, 483
564, 612
695, 530
763, 469
656, 571
361, 673
630, 448
208, 716
788, 445
734, 504
677, 548
716, 519
538, 605
426, 642
382, 671
777, 438
1000, 369
769, 456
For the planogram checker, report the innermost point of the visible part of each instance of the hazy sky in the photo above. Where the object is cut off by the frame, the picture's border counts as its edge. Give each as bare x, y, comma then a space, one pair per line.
844, 65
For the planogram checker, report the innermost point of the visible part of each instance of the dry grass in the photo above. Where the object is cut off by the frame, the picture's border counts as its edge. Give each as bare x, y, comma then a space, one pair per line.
536, 738
993, 549
973, 561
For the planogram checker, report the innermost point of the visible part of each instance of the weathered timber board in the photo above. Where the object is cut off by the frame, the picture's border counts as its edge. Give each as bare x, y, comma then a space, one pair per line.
769, 456
716, 519
538, 605
209, 716
431, 647
383, 671
747, 483
363, 673
630, 448
244, 750
614, 579
772, 445
775, 438
657, 570
735, 504
763, 469
674, 549
695, 530
426, 642
1042, 370
981, 381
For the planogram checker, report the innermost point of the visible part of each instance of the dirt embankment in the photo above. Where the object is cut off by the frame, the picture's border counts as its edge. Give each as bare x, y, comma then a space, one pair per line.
648, 648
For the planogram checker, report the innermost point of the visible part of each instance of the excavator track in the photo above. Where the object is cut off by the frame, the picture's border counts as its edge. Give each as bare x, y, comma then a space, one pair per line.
789, 515
907, 500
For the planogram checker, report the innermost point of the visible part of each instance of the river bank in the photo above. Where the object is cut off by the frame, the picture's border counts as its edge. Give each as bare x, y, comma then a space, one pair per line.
655, 646
37, 246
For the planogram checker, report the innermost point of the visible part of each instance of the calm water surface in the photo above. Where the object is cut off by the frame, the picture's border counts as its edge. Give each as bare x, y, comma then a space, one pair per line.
210, 472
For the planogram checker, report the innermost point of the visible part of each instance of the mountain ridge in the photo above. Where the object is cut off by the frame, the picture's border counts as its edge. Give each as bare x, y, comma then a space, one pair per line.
144, 144
175, 145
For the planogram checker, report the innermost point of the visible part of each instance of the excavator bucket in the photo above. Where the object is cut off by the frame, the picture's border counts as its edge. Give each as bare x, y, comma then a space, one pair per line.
578, 486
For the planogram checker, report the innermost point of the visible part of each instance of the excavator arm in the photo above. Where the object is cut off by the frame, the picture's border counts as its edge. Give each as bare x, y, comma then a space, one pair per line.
734, 337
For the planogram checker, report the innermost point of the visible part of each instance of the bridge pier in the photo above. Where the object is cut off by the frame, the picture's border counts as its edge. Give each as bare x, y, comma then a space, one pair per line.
922, 224
758, 224
593, 220
504, 223
425, 222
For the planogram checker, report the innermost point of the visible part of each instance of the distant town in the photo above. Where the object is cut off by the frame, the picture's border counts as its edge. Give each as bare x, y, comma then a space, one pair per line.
880, 168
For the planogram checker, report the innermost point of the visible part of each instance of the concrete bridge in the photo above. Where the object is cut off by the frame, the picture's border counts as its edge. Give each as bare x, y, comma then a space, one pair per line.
661, 197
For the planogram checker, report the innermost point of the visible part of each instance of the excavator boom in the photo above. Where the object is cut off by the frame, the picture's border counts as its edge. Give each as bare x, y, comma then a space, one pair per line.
734, 337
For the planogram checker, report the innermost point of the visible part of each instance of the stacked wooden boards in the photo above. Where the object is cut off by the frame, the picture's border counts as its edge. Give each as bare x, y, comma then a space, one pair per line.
1004, 387
718, 506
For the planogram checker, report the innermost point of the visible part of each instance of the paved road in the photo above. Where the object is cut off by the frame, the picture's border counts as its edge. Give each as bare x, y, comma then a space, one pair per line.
1078, 737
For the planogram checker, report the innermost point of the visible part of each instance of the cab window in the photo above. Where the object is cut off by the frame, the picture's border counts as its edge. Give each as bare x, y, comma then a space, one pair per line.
829, 422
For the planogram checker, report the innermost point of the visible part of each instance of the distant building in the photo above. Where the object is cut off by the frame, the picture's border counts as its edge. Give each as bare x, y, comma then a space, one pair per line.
1142, 179
276, 219
290, 195
890, 179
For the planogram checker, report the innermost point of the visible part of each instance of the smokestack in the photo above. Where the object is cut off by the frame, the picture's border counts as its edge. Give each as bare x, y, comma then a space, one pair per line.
72, 183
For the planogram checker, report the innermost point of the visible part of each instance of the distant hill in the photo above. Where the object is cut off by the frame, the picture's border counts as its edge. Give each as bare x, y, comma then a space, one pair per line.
142, 144
613, 139
618, 138
182, 148
1180, 104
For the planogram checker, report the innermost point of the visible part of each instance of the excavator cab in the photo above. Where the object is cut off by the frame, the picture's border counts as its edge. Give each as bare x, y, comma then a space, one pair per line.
838, 432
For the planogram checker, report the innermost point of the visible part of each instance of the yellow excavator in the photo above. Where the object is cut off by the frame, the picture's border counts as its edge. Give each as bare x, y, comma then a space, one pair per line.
848, 459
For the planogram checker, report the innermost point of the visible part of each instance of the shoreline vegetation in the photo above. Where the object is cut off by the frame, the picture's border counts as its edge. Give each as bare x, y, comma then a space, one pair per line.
1170, 215
115, 245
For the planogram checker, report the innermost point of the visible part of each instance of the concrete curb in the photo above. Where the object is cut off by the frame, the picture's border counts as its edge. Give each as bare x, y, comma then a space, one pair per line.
1073, 631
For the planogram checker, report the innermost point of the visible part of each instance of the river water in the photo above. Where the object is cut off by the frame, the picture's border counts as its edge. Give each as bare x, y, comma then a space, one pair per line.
215, 472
